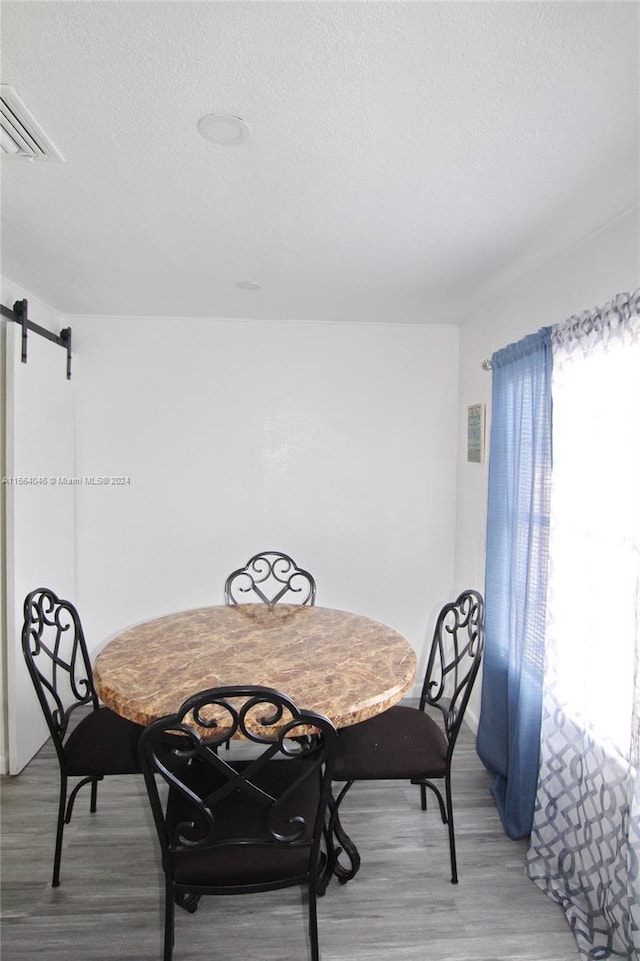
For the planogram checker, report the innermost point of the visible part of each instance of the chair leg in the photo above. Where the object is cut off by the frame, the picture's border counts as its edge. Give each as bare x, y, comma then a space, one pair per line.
168, 920
62, 804
94, 797
446, 812
423, 785
93, 781
65, 810
313, 922
452, 838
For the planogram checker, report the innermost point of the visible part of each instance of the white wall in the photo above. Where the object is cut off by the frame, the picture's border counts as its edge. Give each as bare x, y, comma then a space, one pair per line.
335, 443
589, 275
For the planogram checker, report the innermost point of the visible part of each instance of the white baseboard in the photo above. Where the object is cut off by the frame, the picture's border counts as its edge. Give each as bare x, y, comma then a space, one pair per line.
471, 718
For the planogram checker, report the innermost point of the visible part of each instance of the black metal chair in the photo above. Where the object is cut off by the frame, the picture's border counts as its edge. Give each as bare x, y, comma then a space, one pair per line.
101, 742
270, 577
239, 826
405, 743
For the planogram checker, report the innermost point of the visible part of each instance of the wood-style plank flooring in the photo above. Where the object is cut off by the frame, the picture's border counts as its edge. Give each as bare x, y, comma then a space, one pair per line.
400, 907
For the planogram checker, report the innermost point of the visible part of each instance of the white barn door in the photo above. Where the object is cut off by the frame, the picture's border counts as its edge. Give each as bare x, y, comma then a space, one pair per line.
39, 535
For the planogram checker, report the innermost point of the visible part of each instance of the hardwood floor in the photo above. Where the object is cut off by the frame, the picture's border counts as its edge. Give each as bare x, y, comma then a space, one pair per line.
400, 906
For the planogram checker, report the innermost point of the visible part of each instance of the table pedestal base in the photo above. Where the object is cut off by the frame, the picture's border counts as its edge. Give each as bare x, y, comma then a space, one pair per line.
338, 843
188, 901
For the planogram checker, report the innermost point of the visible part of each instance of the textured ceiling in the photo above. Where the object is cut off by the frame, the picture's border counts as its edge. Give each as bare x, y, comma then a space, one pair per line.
405, 158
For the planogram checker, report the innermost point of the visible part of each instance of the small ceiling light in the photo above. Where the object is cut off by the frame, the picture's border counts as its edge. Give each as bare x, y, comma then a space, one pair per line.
248, 285
223, 128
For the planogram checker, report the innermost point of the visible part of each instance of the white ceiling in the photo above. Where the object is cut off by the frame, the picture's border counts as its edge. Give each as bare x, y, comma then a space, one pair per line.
406, 158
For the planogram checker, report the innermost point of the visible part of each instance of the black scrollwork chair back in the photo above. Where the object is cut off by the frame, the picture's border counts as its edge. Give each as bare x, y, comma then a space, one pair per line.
270, 577
91, 743
245, 825
405, 742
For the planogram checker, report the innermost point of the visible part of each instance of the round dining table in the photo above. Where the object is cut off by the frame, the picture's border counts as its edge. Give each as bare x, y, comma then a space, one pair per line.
342, 665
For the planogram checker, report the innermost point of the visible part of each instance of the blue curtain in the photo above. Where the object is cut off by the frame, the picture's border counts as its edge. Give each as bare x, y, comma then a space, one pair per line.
516, 576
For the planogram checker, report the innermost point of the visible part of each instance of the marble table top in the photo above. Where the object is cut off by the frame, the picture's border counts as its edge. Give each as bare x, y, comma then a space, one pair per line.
342, 665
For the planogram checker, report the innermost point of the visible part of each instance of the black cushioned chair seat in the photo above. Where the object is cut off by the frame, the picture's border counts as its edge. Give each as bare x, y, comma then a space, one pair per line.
237, 866
403, 742
262, 860
103, 743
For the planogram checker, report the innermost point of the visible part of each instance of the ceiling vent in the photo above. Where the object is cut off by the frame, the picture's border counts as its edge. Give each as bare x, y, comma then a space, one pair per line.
21, 135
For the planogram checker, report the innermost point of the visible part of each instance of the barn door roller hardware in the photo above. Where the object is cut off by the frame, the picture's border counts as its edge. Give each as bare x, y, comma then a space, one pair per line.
20, 316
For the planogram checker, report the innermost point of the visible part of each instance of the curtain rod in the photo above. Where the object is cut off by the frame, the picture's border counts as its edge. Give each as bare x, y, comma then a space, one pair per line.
486, 365
19, 315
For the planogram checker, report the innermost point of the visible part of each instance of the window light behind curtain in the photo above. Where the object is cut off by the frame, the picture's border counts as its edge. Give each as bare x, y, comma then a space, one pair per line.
585, 843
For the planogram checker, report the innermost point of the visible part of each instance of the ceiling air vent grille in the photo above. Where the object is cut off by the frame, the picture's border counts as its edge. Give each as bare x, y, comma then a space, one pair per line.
22, 135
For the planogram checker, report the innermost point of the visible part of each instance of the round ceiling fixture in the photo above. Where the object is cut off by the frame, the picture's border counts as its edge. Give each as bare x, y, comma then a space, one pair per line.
248, 285
223, 128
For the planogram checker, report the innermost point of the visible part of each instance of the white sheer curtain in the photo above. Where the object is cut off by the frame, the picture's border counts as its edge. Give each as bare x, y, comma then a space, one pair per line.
585, 843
